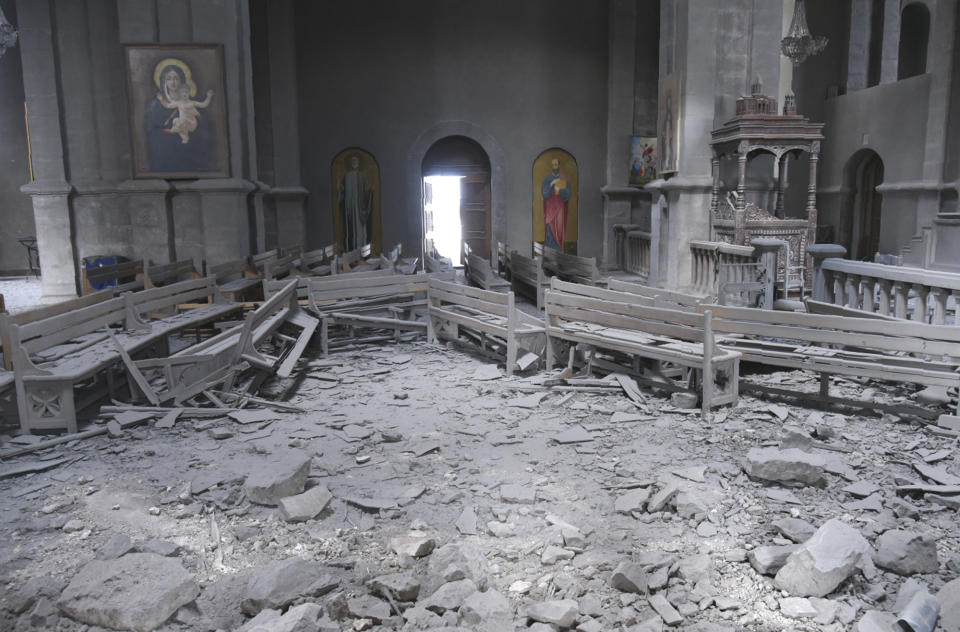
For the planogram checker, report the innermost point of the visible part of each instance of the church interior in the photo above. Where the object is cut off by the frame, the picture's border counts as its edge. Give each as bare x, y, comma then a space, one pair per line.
593, 315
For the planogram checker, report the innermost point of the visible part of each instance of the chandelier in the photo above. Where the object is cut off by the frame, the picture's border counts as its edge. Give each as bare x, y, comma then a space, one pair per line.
8, 34
799, 43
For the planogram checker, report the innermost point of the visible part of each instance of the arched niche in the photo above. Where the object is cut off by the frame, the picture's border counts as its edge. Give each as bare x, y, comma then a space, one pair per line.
914, 38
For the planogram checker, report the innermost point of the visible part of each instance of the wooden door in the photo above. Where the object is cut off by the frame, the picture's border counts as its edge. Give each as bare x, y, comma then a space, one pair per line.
475, 213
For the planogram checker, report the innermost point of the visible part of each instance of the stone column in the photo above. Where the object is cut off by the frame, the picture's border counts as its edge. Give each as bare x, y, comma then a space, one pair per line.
891, 41
739, 214
620, 84
858, 55
224, 216
50, 192
812, 195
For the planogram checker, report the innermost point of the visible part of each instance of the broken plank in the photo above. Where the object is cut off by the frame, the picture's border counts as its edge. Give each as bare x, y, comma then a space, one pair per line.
309, 326
28, 468
49, 443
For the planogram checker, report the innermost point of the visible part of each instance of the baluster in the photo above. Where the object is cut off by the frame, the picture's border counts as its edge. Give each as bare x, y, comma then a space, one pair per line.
920, 305
940, 296
839, 280
899, 299
884, 299
850, 290
866, 294
956, 307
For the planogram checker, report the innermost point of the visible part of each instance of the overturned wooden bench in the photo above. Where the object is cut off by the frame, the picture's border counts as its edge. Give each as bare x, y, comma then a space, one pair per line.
619, 321
378, 300
888, 350
490, 320
217, 361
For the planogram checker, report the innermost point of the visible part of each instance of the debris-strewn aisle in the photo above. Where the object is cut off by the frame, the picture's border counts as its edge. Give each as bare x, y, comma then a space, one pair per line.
423, 491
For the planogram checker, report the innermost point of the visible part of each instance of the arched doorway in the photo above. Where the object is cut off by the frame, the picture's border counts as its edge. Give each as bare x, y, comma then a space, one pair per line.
456, 197
864, 173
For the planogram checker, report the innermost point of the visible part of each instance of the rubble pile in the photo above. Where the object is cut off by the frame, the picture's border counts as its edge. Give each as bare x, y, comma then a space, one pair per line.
411, 488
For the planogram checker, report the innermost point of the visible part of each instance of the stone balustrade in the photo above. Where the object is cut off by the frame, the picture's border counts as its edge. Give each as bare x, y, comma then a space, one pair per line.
717, 265
633, 249
918, 294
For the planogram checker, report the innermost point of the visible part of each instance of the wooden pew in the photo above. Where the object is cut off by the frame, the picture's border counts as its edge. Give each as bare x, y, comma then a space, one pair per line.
882, 349
478, 272
439, 267
318, 262
377, 300
238, 280
660, 297
29, 316
623, 323
569, 267
489, 319
260, 260
219, 359
526, 275
281, 267
53, 355
124, 277
183, 305
167, 273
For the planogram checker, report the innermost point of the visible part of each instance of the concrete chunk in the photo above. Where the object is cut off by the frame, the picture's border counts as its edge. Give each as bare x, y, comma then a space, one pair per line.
786, 466
305, 506
823, 562
907, 552
280, 477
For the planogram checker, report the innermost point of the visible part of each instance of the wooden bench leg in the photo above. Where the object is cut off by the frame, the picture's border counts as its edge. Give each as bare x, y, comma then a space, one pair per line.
324, 333
550, 356
47, 405
824, 385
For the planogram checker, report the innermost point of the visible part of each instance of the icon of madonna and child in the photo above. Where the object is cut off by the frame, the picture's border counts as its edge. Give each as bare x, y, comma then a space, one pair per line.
183, 127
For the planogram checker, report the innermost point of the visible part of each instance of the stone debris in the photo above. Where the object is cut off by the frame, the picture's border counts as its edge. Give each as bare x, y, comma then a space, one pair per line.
767, 560
518, 494
786, 466
449, 596
277, 478
907, 552
138, 592
279, 583
368, 607
666, 611
303, 618
489, 608
876, 621
401, 586
633, 500
413, 545
795, 529
798, 608
562, 613
467, 521
305, 506
629, 577
824, 561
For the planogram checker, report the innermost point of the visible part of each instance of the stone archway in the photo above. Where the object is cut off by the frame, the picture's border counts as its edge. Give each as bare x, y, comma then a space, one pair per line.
418, 151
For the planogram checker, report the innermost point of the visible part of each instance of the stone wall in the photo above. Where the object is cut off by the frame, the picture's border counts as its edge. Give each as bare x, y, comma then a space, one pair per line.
16, 212
392, 78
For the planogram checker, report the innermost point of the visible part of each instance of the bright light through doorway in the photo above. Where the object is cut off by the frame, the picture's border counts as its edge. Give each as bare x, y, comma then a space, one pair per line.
445, 210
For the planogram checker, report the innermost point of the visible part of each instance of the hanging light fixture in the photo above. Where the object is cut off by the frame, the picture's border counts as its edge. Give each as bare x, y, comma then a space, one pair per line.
799, 43
8, 34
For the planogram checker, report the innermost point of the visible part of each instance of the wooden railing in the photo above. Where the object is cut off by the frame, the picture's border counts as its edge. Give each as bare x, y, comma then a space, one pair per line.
921, 295
633, 246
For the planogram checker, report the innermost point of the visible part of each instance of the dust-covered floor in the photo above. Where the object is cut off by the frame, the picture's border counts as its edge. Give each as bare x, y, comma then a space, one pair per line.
463, 499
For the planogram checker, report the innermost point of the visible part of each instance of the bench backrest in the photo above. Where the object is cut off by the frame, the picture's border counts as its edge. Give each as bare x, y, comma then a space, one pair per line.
580, 269
165, 273
882, 335
280, 267
479, 269
272, 286
660, 297
324, 291
318, 257
438, 265
38, 335
232, 270
527, 269
159, 298
576, 302
353, 257
22, 318
445, 292
125, 276
261, 259
296, 250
